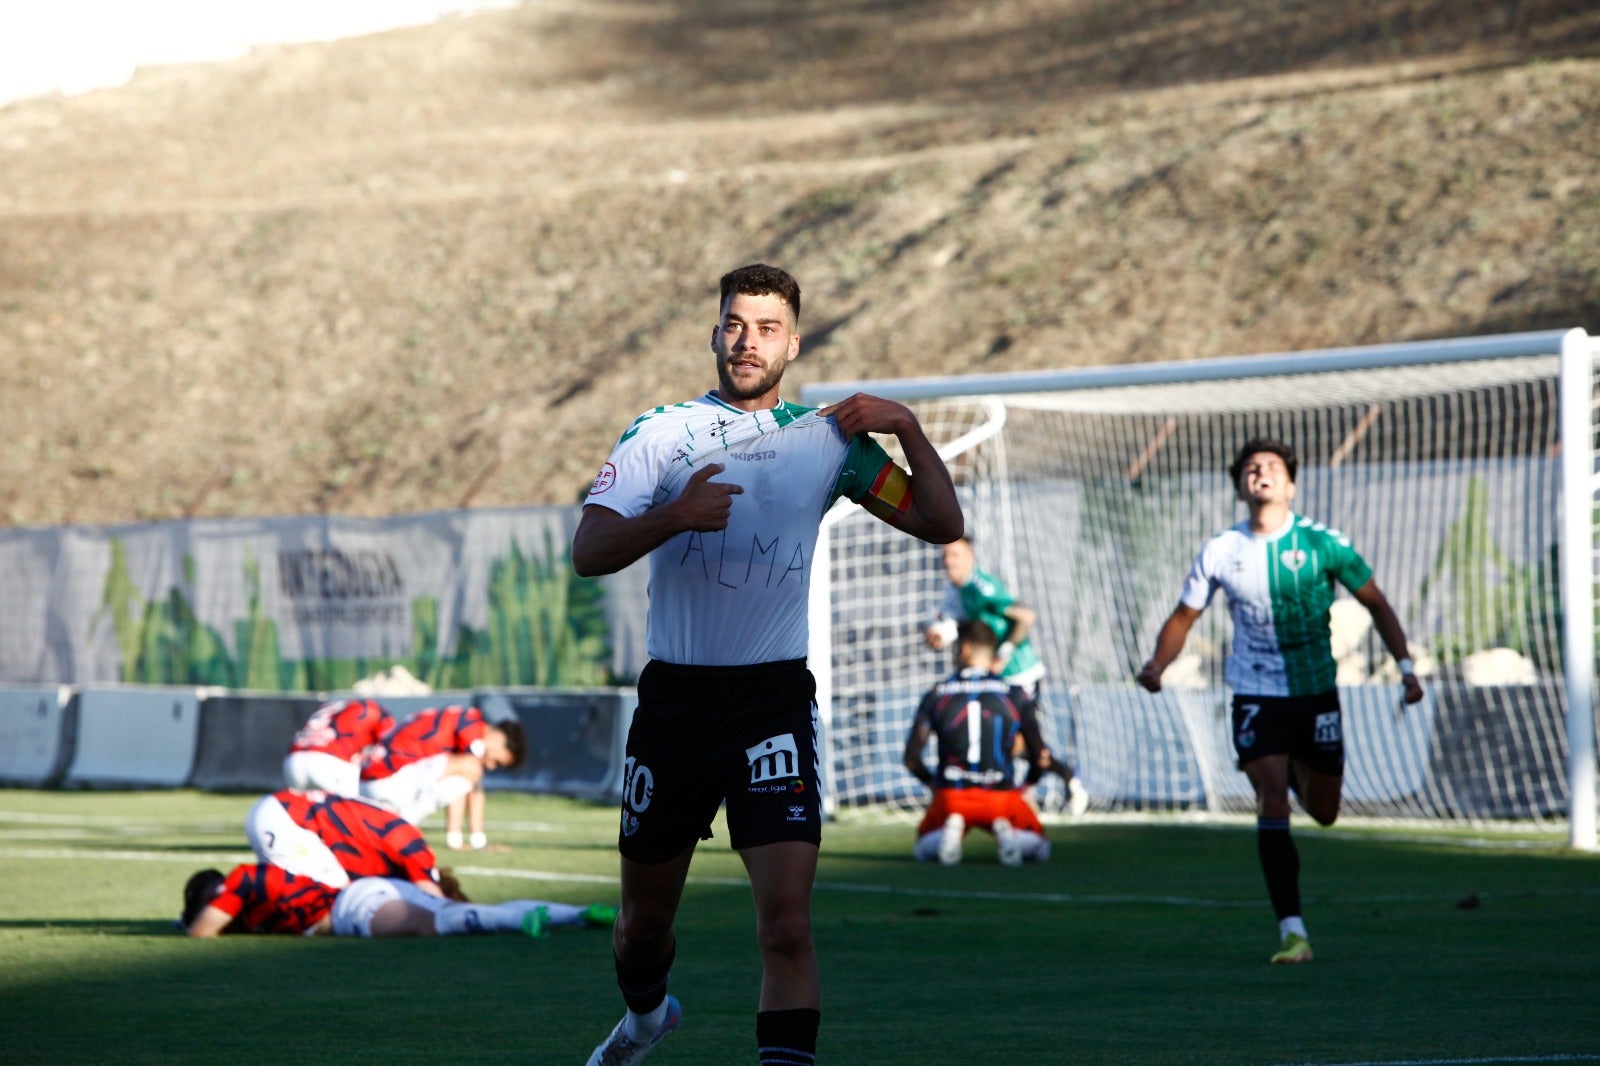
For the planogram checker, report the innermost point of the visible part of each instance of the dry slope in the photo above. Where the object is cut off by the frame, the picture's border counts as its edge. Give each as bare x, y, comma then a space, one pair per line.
446, 265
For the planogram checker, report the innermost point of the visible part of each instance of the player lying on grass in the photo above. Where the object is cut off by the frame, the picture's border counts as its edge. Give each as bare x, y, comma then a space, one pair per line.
334, 839
259, 898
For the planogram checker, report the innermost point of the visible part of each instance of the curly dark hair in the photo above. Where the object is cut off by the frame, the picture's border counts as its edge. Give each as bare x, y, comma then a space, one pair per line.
201, 888
516, 739
1264, 444
759, 279
450, 885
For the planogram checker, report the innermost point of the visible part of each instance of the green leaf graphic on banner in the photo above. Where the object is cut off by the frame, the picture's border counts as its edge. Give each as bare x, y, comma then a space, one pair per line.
162, 641
546, 627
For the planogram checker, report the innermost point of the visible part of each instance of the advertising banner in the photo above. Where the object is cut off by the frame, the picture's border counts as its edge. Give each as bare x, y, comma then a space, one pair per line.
460, 599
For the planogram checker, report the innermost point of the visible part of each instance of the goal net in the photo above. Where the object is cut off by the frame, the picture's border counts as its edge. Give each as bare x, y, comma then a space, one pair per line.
1089, 492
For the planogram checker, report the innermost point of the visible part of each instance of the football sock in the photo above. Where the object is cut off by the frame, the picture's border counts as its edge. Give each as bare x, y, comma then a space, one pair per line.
642, 1027
788, 1037
644, 990
927, 847
1034, 846
559, 913
461, 919
1280, 863
1292, 925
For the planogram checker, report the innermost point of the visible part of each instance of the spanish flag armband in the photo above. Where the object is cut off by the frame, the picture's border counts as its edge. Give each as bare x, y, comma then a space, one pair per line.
889, 498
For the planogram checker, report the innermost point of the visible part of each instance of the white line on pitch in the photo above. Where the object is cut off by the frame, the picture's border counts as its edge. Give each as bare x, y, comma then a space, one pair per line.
1461, 1061
910, 892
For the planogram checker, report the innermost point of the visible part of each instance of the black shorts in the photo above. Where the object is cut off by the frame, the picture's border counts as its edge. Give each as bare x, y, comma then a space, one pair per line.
1308, 728
707, 735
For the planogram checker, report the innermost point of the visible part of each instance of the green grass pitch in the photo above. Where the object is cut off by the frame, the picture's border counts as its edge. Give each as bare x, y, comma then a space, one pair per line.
1140, 943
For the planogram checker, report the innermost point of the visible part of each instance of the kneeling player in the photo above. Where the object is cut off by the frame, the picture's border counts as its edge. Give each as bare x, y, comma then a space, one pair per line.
327, 751
335, 839
438, 758
977, 717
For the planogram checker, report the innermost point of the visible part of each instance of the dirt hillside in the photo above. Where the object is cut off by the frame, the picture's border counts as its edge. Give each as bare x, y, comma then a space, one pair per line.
446, 265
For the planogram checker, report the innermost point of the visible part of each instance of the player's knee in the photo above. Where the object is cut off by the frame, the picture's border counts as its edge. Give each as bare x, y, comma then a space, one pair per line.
1273, 803
786, 933
643, 929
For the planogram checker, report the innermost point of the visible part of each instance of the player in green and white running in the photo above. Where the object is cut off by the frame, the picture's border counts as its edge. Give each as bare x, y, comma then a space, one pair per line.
1279, 570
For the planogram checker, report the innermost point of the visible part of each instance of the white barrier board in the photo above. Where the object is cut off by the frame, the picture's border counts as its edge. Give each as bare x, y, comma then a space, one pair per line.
32, 734
135, 736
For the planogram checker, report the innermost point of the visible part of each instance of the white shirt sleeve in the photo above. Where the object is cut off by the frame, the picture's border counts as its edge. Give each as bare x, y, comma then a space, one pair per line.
1200, 584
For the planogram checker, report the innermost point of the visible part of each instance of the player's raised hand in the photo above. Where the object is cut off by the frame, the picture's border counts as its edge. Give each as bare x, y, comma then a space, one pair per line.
705, 504
862, 413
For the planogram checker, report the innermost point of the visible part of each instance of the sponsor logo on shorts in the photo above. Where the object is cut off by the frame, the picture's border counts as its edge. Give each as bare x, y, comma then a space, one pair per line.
1327, 729
797, 813
773, 758
797, 786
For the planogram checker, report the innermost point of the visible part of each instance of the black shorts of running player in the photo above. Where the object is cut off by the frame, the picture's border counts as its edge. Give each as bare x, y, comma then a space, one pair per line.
1308, 728
707, 735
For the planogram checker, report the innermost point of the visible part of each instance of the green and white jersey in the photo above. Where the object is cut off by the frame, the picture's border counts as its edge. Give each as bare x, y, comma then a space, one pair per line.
985, 599
739, 596
1280, 587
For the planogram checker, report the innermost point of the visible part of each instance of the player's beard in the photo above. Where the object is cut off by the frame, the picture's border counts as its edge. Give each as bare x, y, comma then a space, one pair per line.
765, 384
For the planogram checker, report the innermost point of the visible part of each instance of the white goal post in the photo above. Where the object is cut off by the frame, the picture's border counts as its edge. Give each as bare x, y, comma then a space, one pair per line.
1464, 470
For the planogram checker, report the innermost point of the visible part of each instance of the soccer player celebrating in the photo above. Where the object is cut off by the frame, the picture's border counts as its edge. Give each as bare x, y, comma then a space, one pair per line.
437, 758
261, 898
1279, 570
978, 717
725, 494
335, 839
326, 752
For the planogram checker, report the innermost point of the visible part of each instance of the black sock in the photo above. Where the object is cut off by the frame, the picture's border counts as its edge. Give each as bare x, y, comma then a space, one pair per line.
1280, 863
644, 987
788, 1037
